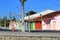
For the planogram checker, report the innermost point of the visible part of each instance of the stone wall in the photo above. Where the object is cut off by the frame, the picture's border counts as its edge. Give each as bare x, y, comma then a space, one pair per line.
42, 35
27, 38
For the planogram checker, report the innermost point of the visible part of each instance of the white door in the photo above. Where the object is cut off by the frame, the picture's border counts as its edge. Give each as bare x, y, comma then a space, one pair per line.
54, 25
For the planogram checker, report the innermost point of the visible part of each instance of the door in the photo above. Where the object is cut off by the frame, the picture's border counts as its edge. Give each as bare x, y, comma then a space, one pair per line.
38, 25
32, 27
54, 25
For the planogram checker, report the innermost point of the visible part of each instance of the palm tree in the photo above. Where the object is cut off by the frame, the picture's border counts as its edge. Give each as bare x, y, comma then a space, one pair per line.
22, 4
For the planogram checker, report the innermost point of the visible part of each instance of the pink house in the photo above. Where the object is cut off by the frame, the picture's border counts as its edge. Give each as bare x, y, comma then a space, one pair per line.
51, 21
55, 23
12, 24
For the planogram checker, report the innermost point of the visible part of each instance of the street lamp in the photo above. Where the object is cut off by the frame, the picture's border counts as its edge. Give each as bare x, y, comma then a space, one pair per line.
22, 4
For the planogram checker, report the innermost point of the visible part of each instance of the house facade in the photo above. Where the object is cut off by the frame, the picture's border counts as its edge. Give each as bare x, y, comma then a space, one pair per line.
15, 24
55, 23
46, 20
12, 24
49, 21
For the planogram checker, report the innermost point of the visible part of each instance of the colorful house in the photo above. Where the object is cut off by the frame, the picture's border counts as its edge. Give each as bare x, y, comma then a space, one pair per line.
38, 22
50, 21
15, 24
46, 20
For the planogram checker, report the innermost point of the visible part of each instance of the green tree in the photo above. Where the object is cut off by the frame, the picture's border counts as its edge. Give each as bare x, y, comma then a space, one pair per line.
5, 21
30, 13
14, 19
0, 22
22, 1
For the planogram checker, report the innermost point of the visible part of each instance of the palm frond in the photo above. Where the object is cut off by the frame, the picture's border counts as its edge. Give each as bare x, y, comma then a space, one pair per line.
22, 0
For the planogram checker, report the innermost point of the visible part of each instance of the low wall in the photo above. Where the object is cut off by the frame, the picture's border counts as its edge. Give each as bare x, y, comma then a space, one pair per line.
29, 36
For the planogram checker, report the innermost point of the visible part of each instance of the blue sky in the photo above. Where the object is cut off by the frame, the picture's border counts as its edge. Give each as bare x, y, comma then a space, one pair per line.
14, 6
